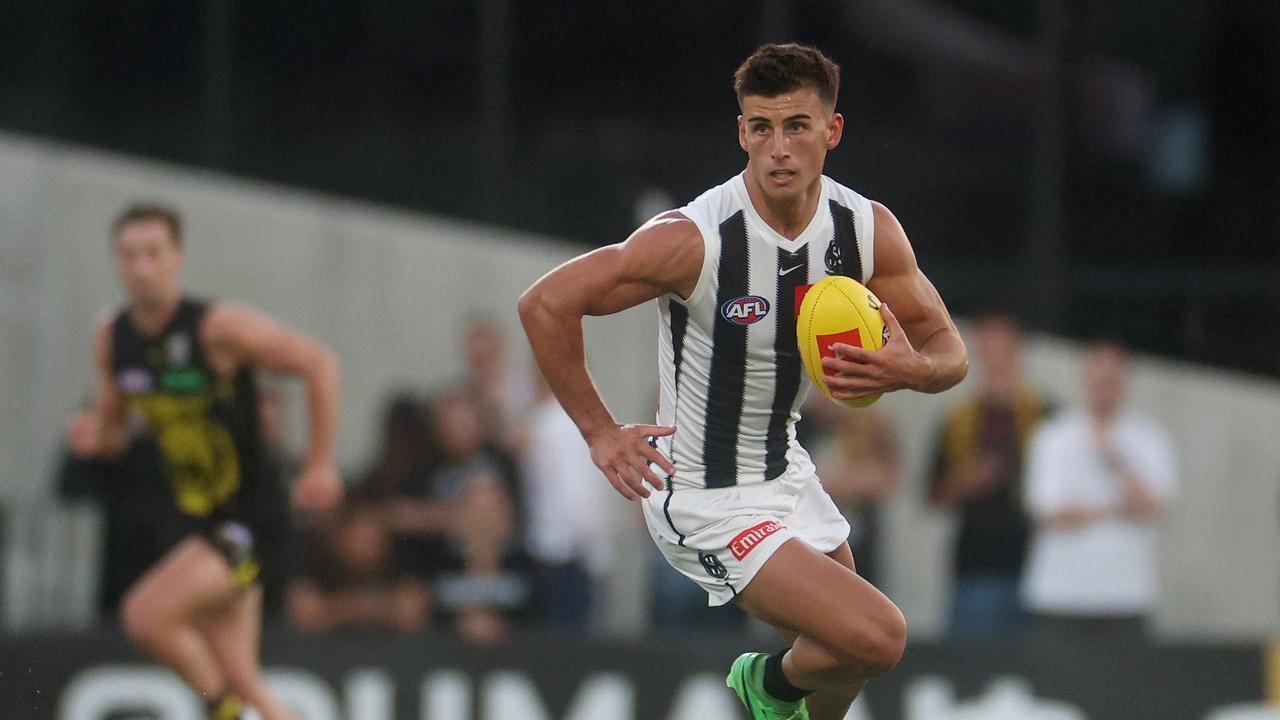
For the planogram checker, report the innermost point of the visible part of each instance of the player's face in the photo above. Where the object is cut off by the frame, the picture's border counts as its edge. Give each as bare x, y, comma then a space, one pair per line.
787, 138
149, 261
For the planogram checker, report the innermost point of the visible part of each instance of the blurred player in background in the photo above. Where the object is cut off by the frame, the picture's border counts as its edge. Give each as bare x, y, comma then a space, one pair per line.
182, 371
741, 510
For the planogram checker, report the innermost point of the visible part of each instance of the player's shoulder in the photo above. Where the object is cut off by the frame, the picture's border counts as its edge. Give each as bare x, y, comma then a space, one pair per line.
668, 245
220, 320
668, 250
671, 228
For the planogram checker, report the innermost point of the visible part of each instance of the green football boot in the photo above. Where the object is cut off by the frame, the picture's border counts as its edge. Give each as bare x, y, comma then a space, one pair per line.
226, 708
746, 677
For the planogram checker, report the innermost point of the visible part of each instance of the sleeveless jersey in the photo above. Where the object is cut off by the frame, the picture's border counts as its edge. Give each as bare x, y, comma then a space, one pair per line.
730, 375
206, 426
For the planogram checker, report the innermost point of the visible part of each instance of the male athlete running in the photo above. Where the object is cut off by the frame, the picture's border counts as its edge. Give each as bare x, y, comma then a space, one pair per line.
740, 510
181, 370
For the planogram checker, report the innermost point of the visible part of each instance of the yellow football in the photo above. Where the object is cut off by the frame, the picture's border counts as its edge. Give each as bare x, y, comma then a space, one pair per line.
838, 309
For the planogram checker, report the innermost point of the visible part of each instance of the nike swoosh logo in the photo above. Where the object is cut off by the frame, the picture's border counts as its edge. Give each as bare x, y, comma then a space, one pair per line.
789, 270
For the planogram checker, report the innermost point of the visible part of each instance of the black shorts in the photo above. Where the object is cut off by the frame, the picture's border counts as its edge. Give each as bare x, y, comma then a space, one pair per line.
238, 545
239, 542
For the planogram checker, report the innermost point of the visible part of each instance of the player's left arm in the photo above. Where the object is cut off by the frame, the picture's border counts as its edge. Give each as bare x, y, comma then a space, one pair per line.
240, 336
924, 351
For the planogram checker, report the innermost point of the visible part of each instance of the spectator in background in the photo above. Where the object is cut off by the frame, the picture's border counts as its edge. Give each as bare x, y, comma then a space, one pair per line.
407, 454
570, 514
449, 500
485, 581
350, 578
978, 474
1098, 479
486, 584
398, 484
504, 396
856, 453
428, 456
464, 446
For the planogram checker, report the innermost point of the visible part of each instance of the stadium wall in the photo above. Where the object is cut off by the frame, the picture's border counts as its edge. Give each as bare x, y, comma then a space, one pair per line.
389, 291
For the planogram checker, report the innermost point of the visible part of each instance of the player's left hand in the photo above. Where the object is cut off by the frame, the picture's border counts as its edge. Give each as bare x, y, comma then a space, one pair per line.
857, 372
319, 487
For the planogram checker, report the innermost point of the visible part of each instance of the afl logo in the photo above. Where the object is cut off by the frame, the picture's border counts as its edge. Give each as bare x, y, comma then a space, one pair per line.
745, 310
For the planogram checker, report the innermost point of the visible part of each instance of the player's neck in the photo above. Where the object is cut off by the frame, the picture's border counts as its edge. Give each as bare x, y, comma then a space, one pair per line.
152, 317
787, 217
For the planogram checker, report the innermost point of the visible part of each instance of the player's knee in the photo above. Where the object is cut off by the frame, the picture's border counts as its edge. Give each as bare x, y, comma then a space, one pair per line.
138, 620
885, 641
874, 645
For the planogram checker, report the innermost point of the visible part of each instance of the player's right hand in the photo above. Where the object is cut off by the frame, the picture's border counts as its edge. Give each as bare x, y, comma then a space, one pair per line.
318, 487
84, 433
623, 454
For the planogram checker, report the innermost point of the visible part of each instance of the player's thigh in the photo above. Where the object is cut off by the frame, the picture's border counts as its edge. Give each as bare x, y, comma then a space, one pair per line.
842, 555
800, 590
191, 579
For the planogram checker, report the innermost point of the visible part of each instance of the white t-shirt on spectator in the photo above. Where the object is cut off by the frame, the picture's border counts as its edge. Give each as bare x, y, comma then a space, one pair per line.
1107, 567
568, 497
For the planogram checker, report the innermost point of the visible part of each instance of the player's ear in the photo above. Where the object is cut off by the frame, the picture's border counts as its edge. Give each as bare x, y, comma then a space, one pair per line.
742, 132
835, 130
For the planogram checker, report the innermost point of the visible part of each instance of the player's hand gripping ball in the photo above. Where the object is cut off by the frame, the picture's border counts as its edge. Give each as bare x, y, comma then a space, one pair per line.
838, 309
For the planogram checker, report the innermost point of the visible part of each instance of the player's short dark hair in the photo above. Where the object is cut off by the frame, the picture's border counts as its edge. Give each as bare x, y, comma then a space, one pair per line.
143, 212
778, 68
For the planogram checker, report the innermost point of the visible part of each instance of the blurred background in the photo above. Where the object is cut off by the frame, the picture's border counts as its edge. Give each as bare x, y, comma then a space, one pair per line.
389, 175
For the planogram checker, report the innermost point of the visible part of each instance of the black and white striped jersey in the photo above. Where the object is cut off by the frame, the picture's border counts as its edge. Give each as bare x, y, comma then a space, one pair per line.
729, 368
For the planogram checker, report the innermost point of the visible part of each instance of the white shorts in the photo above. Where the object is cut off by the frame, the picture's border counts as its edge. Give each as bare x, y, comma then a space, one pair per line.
721, 537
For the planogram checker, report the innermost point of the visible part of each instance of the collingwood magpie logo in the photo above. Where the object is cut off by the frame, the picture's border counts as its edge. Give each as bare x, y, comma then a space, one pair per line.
834, 259
713, 566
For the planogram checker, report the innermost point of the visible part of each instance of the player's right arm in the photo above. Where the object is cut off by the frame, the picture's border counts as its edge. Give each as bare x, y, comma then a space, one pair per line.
101, 431
664, 256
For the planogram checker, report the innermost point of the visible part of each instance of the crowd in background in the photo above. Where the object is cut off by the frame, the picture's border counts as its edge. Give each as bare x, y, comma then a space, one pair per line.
481, 510
1056, 509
